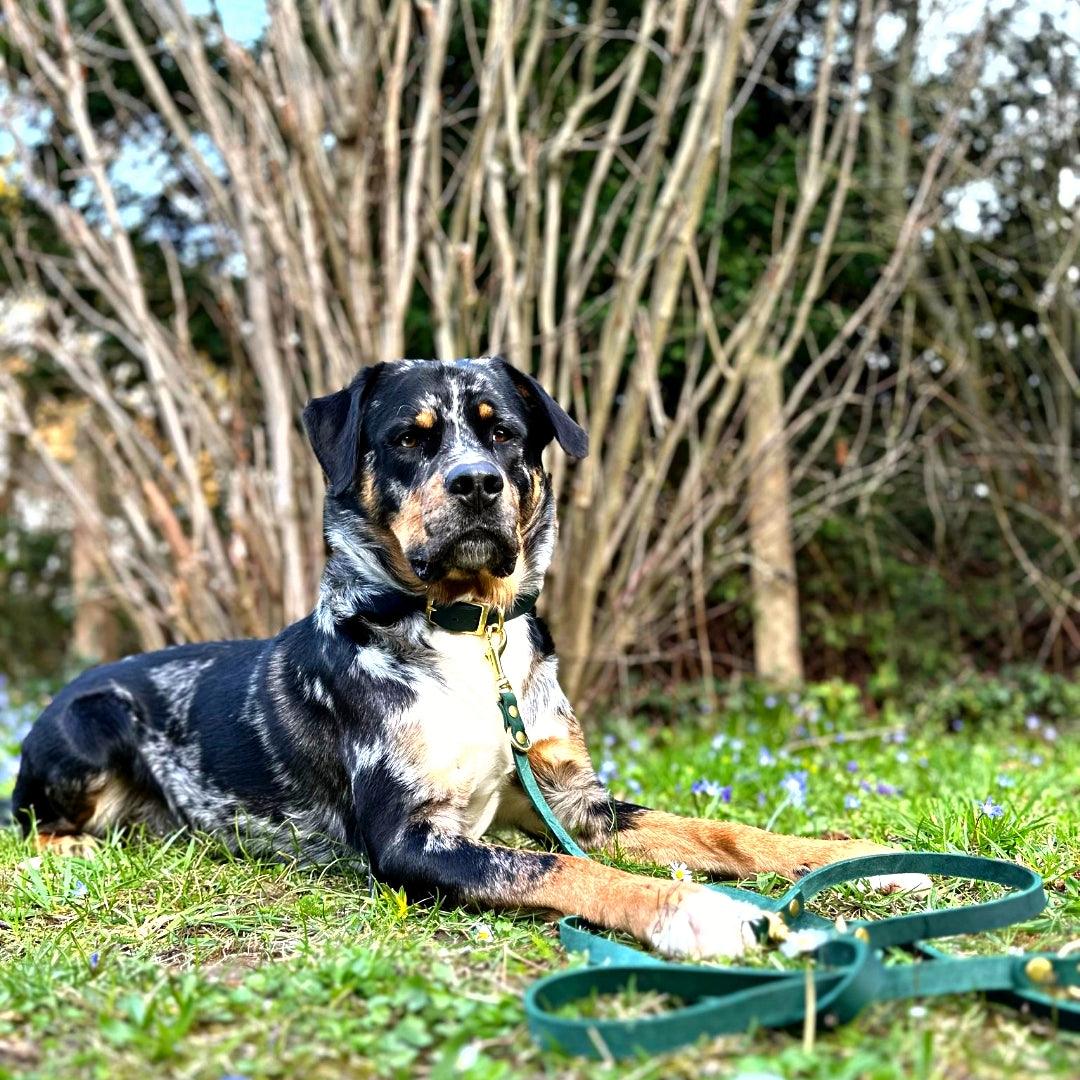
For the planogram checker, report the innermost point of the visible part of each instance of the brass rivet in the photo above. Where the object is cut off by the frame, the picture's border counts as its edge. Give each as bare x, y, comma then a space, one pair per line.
1039, 970
521, 737
862, 934
794, 908
513, 711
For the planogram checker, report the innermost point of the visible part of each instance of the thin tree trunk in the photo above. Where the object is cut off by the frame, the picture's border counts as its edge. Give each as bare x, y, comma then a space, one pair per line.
94, 632
774, 585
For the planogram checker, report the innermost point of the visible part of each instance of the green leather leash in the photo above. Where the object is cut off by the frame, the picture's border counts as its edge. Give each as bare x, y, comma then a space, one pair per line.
848, 971
848, 974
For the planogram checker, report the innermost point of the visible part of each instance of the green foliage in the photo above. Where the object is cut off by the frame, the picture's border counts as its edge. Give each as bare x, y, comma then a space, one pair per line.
882, 605
1017, 695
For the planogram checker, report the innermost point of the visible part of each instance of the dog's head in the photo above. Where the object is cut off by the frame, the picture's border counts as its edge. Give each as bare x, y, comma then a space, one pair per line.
437, 466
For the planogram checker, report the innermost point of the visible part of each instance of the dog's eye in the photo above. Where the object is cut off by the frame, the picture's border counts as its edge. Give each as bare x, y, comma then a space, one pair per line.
500, 434
407, 440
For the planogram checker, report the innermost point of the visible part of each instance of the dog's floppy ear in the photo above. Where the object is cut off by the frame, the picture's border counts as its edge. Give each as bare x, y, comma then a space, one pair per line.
332, 424
557, 425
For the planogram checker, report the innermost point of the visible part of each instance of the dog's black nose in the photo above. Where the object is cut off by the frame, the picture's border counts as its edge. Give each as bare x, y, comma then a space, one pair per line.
475, 482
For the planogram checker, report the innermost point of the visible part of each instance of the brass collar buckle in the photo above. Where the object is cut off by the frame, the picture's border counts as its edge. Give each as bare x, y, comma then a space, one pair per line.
490, 615
485, 616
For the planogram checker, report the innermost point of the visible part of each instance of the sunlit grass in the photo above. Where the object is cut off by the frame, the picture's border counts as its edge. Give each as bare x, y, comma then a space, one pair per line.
153, 958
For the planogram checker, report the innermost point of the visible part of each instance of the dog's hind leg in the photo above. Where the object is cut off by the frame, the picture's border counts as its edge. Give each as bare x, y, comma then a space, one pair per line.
718, 848
81, 772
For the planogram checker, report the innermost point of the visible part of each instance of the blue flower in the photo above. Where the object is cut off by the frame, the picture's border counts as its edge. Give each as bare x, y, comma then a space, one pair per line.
770, 701
1036, 760
852, 802
79, 890
885, 789
719, 741
956, 724
990, 808
608, 740
1004, 780
852, 766
765, 757
711, 789
635, 745
94, 958
794, 787
1032, 722
634, 786
608, 770
903, 757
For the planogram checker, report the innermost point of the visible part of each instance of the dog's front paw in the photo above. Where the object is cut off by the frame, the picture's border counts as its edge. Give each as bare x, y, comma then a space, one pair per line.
886, 883
900, 883
695, 923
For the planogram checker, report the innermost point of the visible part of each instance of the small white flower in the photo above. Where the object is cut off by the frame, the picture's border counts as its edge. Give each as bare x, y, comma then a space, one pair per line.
1068, 188
680, 872
467, 1057
803, 941
917, 1012
482, 932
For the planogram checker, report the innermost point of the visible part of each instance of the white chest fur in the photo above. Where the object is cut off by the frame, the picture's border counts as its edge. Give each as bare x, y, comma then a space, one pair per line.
457, 744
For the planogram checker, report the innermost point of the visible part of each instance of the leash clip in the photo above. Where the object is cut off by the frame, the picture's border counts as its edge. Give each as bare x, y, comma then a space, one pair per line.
508, 703
496, 642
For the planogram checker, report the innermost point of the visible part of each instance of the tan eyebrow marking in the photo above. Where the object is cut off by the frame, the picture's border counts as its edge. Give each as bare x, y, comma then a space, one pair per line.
425, 418
485, 410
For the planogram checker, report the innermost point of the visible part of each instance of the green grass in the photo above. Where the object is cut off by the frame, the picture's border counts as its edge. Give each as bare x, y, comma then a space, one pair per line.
171, 959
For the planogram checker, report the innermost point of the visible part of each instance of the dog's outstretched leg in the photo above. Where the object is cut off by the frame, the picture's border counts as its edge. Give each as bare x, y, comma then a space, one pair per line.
680, 920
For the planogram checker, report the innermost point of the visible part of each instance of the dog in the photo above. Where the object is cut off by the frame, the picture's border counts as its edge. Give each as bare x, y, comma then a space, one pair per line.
368, 729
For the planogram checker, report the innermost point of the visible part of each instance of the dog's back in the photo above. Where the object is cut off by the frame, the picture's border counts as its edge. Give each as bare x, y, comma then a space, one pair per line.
156, 739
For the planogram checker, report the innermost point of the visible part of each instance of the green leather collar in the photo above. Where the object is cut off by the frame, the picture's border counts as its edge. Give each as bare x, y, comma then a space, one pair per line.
465, 618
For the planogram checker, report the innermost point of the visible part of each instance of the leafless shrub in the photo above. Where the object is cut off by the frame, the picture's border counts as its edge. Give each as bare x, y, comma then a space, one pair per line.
339, 179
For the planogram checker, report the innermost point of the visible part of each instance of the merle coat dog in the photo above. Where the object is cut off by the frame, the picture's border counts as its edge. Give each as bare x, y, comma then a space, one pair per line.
365, 728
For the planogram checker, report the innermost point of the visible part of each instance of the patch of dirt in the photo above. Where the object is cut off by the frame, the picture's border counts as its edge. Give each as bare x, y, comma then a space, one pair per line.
18, 1053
